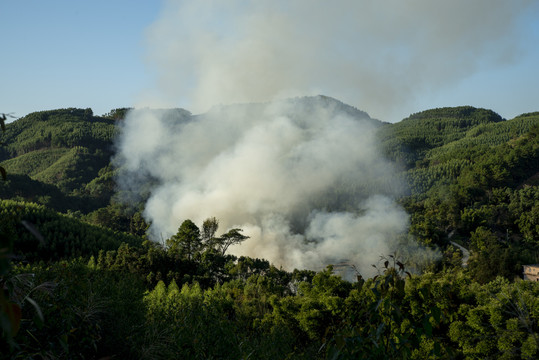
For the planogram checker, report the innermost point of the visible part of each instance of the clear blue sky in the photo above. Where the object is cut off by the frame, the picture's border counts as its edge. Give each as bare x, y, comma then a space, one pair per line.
65, 53
99, 54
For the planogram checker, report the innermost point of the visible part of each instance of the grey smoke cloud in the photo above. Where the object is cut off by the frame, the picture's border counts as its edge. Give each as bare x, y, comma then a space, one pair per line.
303, 177
378, 55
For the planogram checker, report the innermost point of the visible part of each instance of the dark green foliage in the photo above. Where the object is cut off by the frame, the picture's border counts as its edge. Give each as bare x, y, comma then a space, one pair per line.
382, 319
119, 217
23, 188
500, 321
67, 149
86, 313
410, 140
224, 322
187, 242
117, 114
63, 236
491, 258
468, 168
57, 129
252, 308
102, 310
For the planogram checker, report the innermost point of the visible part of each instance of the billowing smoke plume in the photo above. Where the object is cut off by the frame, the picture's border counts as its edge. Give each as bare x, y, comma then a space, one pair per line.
303, 177
378, 55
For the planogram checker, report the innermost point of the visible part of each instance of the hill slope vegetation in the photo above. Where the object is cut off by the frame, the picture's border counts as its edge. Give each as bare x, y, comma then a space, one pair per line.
81, 281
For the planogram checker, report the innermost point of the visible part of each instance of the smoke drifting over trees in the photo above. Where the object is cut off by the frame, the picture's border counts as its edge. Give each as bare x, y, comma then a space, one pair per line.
303, 177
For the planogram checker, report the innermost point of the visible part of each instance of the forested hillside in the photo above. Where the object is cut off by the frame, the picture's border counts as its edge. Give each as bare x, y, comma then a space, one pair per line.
473, 179
62, 159
79, 279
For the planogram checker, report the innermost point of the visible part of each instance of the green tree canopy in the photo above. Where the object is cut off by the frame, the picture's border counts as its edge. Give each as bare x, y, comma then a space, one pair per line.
187, 241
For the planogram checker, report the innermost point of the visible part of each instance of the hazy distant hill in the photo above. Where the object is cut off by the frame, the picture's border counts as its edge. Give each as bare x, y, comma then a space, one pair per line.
294, 108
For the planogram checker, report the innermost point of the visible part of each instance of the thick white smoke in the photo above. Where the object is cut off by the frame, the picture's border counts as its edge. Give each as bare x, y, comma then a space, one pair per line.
378, 55
304, 178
